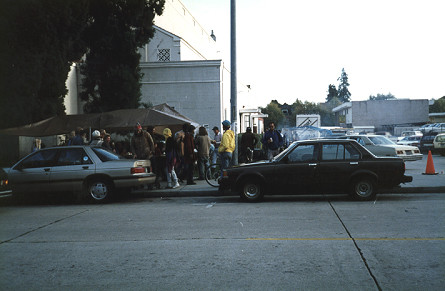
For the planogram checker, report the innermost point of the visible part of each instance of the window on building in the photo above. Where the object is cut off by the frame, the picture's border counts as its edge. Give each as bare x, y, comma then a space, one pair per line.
246, 121
163, 55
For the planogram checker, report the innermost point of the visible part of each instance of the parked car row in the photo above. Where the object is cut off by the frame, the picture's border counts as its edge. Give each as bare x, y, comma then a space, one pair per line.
358, 164
433, 127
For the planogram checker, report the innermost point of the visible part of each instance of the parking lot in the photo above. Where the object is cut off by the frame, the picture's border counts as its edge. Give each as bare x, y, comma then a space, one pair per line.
396, 242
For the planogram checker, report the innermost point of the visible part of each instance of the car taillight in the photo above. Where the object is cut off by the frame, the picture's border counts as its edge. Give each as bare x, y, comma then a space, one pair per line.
225, 173
400, 152
138, 170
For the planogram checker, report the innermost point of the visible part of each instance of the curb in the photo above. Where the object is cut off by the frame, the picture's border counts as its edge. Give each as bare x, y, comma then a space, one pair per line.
407, 190
216, 193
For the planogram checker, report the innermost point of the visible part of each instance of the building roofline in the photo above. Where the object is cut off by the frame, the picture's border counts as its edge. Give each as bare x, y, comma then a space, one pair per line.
343, 106
166, 31
197, 63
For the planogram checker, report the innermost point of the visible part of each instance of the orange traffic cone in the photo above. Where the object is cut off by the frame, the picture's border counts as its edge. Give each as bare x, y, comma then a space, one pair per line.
430, 165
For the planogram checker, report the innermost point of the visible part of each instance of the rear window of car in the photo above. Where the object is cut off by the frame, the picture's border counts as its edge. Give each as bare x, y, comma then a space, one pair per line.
73, 156
105, 155
380, 140
339, 152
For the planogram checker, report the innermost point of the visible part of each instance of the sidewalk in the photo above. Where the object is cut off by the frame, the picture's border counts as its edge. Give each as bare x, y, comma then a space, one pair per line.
421, 183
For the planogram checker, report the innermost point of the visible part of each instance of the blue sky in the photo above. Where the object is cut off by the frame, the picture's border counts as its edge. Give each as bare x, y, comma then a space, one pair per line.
288, 50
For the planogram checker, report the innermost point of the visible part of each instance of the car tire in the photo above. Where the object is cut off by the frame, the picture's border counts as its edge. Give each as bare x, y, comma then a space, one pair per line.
98, 190
363, 189
251, 190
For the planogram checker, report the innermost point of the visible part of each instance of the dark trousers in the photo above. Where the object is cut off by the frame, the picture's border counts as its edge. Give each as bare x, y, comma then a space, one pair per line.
188, 168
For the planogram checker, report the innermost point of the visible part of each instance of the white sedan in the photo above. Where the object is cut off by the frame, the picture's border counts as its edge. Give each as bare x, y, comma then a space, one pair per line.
94, 173
413, 140
383, 146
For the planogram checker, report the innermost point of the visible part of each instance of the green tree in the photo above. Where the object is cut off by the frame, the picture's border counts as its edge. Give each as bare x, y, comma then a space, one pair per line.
39, 40
343, 92
112, 73
389, 96
332, 93
274, 111
438, 106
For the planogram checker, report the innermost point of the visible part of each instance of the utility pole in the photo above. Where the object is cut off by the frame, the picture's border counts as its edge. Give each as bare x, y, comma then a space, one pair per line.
233, 88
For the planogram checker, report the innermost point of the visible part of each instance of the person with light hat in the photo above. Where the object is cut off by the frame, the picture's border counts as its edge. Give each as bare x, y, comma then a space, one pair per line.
227, 146
170, 159
96, 138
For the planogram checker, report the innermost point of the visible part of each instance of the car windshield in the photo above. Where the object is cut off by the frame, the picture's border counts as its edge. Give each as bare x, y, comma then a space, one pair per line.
283, 153
105, 155
380, 140
440, 138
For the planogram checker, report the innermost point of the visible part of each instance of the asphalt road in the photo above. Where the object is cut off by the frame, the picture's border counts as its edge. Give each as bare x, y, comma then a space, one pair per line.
396, 242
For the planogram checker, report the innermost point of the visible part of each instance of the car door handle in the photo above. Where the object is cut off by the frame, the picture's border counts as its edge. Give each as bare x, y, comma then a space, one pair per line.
47, 169
85, 167
353, 163
312, 165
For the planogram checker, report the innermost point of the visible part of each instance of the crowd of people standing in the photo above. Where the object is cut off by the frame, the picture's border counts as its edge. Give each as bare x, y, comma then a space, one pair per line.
174, 158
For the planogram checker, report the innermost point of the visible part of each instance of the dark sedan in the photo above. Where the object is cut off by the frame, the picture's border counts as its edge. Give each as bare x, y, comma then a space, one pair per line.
317, 166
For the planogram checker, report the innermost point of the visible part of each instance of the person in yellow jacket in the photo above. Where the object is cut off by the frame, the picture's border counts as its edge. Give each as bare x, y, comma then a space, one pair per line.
227, 146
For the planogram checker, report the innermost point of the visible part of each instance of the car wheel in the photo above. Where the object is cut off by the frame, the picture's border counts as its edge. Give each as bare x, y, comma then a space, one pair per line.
98, 191
252, 190
363, 189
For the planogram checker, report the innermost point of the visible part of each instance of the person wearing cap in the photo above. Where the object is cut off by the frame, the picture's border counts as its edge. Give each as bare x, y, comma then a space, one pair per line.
227, 146
216, 142
142, 145
248, 142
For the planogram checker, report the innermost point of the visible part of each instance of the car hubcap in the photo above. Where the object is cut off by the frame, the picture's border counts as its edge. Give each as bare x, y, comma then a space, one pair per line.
99, 191
251, 190
363, 189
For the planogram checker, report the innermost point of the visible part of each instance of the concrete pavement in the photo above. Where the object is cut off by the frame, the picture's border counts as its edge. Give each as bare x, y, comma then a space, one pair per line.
421, 183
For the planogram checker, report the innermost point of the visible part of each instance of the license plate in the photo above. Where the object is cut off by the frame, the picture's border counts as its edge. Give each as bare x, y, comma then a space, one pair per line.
408, 153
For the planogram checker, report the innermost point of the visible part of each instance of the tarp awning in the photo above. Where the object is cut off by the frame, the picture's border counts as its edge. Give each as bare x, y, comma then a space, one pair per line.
118, 120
